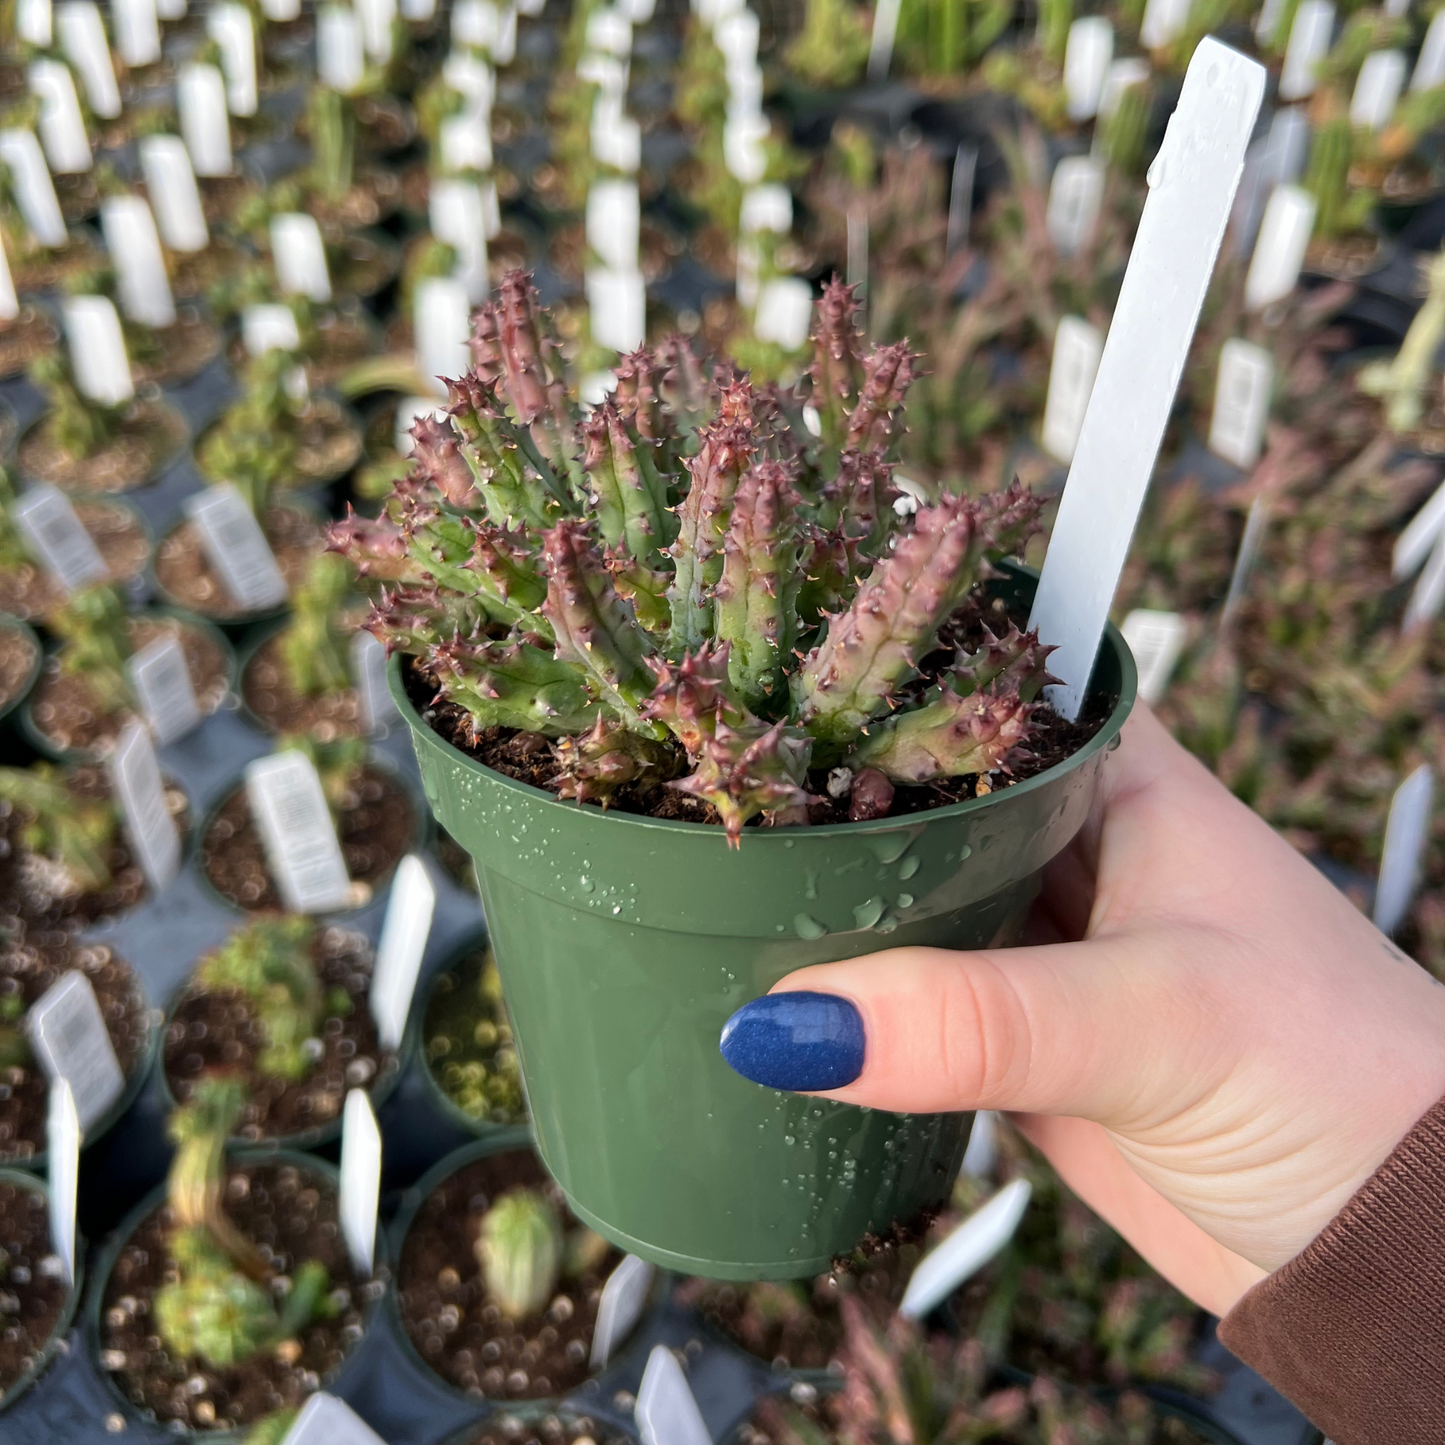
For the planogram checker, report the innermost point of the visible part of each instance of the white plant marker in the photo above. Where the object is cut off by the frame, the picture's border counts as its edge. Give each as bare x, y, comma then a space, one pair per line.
474, 23
408, 409
1077, 349
325, 1420
161, 682
33, 23
618, 303
231, 27
1266, 23
340, 50
624, 1297
1242, 388
419, 9
399, 950
136, 777
464, 142
281, 11
97, 349
465, 71
504, 47
62, 1144
610, 31
1131, 70
9, 301
368, 656
964, 1252
1377, 89
960, 198
1075, 196
1309, 43
1430, 67
299, 256
1192, 184
1394, 9
885, 32
205, 122
236, 547
1087, 57
856, 269
785, 312
1414, 543
140, 267
360, 1179
61, 125
269, 326
174, 196
1407, 834
616, 138
1255, 525
295, 825
533, 8
137, 31
743, 153
1425, 601
1156, 639
639, 12
458, 217
666, 1412
441, 323
982, 1152
1289, 139
1163, 20
171, 9
377, 18
1284, 237
82, 37
614, 217
67, 1031
34, 190
766, 208
55, 537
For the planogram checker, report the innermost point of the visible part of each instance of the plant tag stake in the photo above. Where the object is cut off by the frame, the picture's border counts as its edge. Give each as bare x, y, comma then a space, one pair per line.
136, 778
62, 128
1425, 601
1156, 639
1407, 833
137, 31
1249, 544
464, 142
270, 326
9, 301
885, 32
236, 547
82, 38
1414, 543
616, 138
418, 9
1241, 402
1284, 237
340, 53
205, 124
299, 256
97, 349
666, 1412
613, 220
1131, 70
458, 217
1266, 23
360, 1178
1163, 20
624, 1297
441, 321
368, 661
161, 682
1430, 67
982, 1152
464, 71
171, 9
966, 1250
62, 1143
33, 23
377, 18
68, 1034
1309, 41
1377, 89
400, 948
785, 312
1077, 349
174, 196
1192, 183
53, 533
281, 11
1087, 57
140, 268
290, 810
233, 31
325, 1420
618, 303
1075, 195
34, 190
960, 198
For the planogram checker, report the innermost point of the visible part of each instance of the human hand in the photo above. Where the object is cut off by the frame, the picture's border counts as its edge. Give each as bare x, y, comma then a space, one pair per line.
1207, 1040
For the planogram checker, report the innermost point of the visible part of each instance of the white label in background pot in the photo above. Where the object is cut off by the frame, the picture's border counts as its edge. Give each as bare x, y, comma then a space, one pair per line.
418, 9
1241, 402
982, 1152
1430, 67
62, 128
475, 23
1309, 43
97, 349
205, 121
137, 31
1256, 523
295, 825
399, 950
82, 38
33, 23
616, 138
1284, 237
1131, 70
325, 1420
464, 141
236, 547
1077, 349
368, 656
737, 36
174, 196
441, 322
1414, 543
504, 47
1087, 58
1406, 835
140, 267
610, 31
9, 301
269, 326
639, 12
281, 11
1075, 196
614, 216
54, 535
161, 682
960, 198
68, 1034
1163, 20
234, 33
62, 1144
360, 1179
666, 1412
34, 190
1156, 639
377, 18
1425, 601
467, 73
340, 53
624, 1297
456, 214
370, 663
618, 303
1377, 89
766, 208
1266, 23
533, 8
880, 44
785, 312
136, 777
743, 151
171, 9
299, 256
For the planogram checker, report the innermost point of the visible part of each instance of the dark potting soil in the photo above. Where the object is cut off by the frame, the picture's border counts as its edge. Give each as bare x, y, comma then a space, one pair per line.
443, 1299
32, 1285
28, 336
18, 656
292, 1216
150, 434
212, 1031
27, 970
267, 690
374, 196
467, 1038
328, 445
44, 270
176, 353
185, 574
376, 827
505, 1429
29, 591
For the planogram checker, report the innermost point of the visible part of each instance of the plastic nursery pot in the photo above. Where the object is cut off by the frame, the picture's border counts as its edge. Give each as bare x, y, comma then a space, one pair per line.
625, 943
17, 675
165, 432
9, 1393
346, 719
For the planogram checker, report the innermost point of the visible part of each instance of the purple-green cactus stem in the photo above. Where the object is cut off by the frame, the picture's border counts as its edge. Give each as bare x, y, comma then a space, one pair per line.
646, 589
1008, 519
692, 696
871, 795
506, 571
512, 685
858, 502
1014, 662
595, 765
682, 384
948, 737
375, 546
877, 418
750, 770
826, 570
440, 461
836, 372
485, 343
412, 619
626, 492
637, 395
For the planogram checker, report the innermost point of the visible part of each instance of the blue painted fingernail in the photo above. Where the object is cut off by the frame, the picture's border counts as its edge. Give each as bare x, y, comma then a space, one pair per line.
802, 1041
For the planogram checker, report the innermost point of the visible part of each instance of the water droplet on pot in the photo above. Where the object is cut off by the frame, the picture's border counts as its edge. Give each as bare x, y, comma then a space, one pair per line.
806, 927
965, 851
869, 913
789, 1139
907, 868
905, 900
810, 887
890, 847
586, 884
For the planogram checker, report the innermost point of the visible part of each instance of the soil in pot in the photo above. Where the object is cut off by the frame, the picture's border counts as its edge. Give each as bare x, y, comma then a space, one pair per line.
30, 334
456, 1322
374, 196
173, 354
27, 969
40, 269
147, 439
194, 273
29, 592
298, 1050
1344, 258
340, 339
19, 653
468, 1042
267, 690
550, 1429
361, 266
328, 444
33, 1291
223, 196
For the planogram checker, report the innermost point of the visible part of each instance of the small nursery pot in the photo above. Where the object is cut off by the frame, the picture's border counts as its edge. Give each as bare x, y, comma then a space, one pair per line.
625, 943
17, 687
168, 435
256, 639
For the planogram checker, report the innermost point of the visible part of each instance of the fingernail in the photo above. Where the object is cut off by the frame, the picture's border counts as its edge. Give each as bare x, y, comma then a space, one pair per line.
800, 1041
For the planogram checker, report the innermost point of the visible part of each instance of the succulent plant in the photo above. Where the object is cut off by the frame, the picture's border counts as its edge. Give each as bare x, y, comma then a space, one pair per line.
331, 121
94, 625
253, 446
949, 37
271, 1429
314, 644
1342, 207
469, 1045
519, 1247
14, 553
832, 47
1402, 381
79, 426
74, 834
740, 608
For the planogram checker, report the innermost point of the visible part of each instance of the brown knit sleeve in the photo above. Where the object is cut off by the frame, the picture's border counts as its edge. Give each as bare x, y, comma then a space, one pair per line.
1353, 1328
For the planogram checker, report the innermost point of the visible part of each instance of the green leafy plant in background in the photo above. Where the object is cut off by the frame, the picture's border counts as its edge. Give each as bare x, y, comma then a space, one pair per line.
524, 1252
79, 426
832, 47
73, 833
949, 37
94, 626
314, 643
253, 446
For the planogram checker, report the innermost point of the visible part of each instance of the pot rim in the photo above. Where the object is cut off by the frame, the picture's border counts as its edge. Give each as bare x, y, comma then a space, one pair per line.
174, 418
10, 623
307, 487
258, 636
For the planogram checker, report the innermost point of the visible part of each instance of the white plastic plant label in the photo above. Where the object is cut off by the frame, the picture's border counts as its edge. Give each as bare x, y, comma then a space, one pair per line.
617, 301
475, 23
737, 36
606, 71
368, 666
360, 1179
1255, 524
1266, 23
136, 777
325, 1420
340, 51
441, 323
231, 27
785, 312
1284, 237
399, 951
53, 534
281, 11
1394, 9
1129, 71
1087, 57
1429, 594
504, 47
269, 326
137, 31
1078, 345
236, 547
296, 828
766, 208
205, 121
982, 1152
174, 196
1289, 143
466, 72
743, 152
883, 38
82, 37
666, 1412
960, 198
9, 301
62, 1144
299, 256
1414, 543
610, 31
856, 268
34, 190
140, 266
457, 215
966, 1250
1241, 402
377, 17
1309, 43
61, 125
624, 1297
161, 682
171, 9
1429, 72
639, 12
614, 217
418, 9
1377, 89
1407, 834
34, 23
66, 1030
1163, 21
533, 8
97, 349
464, 142
368, 656
1156, 639
615, 138
1075, 196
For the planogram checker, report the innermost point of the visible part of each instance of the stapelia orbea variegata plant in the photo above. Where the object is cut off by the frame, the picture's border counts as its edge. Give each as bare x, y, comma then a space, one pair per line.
699, 583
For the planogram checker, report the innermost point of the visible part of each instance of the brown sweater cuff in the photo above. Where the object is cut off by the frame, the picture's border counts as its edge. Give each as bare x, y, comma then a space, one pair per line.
1353, 1328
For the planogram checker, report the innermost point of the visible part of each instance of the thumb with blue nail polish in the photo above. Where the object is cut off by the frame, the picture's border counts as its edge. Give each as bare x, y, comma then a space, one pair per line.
801, 1041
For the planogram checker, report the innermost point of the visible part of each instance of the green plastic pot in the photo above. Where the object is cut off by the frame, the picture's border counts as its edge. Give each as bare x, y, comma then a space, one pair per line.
625, 943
